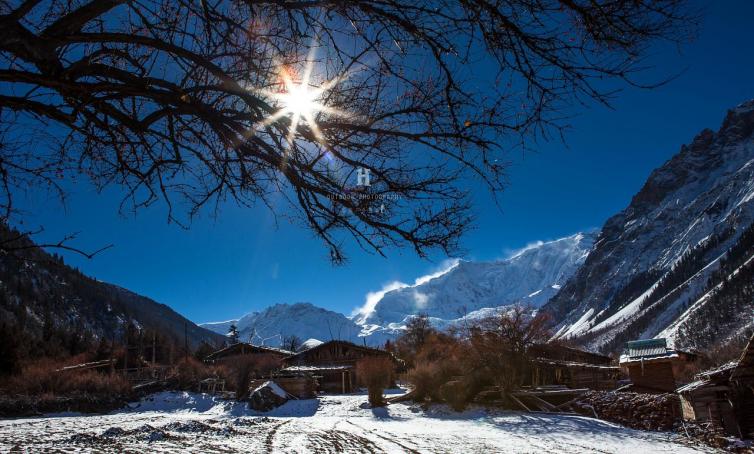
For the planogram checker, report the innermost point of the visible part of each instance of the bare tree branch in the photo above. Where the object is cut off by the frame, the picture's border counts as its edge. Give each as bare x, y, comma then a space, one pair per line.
179, 101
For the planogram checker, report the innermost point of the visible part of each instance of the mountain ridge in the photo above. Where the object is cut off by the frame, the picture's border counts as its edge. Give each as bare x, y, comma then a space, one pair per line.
653, 260
39, 293
534, 273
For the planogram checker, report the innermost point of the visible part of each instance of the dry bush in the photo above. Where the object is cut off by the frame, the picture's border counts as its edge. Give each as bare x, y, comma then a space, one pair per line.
454, 368
376, 374
426, 380
189, 372
440, 359
446, 371
244, 368
41, 378
499, 344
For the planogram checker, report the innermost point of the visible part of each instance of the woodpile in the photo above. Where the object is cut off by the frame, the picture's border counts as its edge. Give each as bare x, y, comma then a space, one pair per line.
654, 412
25, 405
708, 434
635, 410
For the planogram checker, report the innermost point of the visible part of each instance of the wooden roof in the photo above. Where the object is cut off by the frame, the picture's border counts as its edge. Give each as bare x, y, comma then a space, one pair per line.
744, 371
242, 348
322, 368
557, 352
575, 364
328, 344
709, 378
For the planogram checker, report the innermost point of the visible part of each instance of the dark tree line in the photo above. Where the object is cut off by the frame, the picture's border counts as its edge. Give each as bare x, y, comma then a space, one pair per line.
50, 310
731, 302
176, 101
728, 307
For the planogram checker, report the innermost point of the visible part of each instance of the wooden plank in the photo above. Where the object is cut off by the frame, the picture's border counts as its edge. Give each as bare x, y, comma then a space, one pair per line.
567, 403
545, 405
515, 399
552, 392
84, 366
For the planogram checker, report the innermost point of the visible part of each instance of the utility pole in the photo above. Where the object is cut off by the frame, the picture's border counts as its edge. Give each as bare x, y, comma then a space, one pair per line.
153, 348
185, 338
125, 358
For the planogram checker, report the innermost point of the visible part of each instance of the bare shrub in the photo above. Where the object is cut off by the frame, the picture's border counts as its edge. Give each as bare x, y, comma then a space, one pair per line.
426, 380
454, 368
440, 359
42, 377
189, 372
244, 368
376, 374
499, 344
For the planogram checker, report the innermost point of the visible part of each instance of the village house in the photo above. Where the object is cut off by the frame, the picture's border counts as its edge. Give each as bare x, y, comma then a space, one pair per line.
708, 399
742, 384
557, 375
242, 349
652, 366
723, 396
332, 363
554, 364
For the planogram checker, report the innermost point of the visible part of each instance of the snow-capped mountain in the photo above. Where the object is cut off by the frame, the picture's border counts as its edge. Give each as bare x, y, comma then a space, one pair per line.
471, 289
658, 267
466, 289
304, 320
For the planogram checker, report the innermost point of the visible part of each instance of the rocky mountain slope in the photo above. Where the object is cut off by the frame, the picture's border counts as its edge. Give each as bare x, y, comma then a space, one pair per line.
39, 295
660, 267
470, 289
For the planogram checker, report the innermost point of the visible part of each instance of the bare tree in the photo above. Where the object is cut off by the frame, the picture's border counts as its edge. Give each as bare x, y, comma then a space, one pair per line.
499, 344
417, 330
195, 103
291, 343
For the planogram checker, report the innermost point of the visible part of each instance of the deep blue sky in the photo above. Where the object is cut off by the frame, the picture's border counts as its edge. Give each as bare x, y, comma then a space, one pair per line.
225, 267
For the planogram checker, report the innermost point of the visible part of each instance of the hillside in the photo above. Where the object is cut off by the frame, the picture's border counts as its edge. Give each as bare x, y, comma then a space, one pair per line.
676, 262
44, 302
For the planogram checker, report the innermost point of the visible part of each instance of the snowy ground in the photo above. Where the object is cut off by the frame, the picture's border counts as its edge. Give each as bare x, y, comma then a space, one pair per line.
185, 422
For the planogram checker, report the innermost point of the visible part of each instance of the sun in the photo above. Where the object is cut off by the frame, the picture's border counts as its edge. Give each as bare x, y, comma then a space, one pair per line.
302, 100
299, 100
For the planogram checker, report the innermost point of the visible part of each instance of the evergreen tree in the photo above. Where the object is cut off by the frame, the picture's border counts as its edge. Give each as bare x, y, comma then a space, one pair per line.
233, 334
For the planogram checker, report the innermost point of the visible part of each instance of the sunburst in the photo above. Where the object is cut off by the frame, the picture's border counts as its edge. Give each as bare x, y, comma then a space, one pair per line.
302, 100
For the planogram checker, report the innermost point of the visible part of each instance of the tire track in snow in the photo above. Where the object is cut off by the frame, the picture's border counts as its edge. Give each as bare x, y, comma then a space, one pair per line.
338, 441
390, 440
270, 439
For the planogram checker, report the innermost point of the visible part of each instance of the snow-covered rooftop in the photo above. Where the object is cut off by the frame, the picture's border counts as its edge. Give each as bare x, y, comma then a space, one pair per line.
316, 368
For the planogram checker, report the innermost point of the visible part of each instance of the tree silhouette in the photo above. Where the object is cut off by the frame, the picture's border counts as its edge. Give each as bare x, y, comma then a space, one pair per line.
233, 334
180, 101
291, 343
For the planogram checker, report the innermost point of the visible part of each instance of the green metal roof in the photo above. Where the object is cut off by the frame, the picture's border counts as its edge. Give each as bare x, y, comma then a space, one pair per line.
646, 348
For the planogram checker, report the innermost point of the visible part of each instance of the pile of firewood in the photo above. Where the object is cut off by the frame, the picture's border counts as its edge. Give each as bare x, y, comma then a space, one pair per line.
635, 410
652, 412
706, 433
